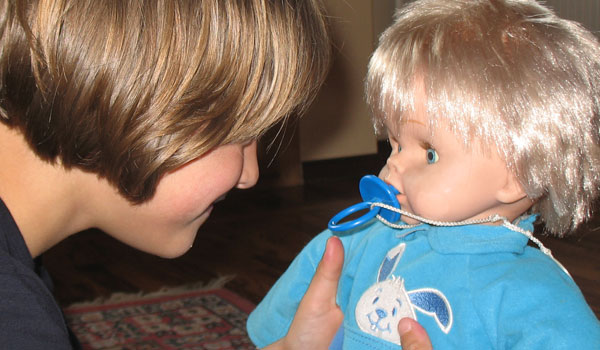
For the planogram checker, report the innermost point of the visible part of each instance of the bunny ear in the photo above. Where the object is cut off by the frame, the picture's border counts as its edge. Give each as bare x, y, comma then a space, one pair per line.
389, 263
433, 303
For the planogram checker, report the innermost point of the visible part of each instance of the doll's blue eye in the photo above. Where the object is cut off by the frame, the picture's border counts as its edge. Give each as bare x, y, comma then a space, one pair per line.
432, 156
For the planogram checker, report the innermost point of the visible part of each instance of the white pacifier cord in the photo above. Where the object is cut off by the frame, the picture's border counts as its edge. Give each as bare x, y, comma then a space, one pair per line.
490, 219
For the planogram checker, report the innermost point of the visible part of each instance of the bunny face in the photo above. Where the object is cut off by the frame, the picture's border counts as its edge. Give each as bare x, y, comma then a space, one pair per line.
381, 307
385, 303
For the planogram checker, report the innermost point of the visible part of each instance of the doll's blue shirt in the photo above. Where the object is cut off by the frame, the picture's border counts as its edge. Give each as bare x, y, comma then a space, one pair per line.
471, 287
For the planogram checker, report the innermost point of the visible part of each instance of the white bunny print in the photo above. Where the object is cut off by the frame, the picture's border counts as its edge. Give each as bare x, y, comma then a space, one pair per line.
387, 301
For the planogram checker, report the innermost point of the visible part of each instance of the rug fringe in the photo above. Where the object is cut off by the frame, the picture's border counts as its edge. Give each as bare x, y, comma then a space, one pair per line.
217, 283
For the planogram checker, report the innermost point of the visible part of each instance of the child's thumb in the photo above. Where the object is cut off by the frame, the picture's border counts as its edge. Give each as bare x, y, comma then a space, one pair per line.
323, 288
413, 336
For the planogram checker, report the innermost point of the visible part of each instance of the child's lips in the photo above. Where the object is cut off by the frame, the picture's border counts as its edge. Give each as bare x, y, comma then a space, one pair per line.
212, 206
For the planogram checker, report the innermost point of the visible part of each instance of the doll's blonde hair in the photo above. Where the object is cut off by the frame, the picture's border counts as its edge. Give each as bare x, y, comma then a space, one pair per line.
133, 89
511, 74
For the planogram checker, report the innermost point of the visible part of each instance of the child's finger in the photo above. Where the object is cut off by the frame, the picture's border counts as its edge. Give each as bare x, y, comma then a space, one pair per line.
413, 336
324, 284
318, 317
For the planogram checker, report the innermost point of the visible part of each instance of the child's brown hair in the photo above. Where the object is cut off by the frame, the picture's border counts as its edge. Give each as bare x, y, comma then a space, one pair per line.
133, 89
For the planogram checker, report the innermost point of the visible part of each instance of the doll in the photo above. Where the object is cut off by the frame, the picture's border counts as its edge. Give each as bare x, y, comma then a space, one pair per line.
491, 108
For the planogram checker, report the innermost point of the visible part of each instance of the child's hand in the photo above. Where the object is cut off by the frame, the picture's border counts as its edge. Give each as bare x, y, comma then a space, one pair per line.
318, 317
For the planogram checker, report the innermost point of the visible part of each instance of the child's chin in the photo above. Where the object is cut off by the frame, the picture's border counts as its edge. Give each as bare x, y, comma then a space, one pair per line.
179, 245
175, 252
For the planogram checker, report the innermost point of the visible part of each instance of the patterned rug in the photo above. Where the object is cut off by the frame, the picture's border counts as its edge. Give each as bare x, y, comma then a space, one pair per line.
181, 318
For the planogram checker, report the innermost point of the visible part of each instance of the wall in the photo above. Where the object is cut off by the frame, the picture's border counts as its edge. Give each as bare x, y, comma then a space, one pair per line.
586, 12
338, 124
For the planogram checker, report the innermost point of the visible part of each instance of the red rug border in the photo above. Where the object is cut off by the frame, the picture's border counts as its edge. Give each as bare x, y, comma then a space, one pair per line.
235, 299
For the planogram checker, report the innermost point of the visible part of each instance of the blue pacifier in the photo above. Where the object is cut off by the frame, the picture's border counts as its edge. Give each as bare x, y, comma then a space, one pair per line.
372, 190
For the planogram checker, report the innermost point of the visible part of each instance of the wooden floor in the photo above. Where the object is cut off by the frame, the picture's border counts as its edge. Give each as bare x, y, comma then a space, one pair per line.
254, 235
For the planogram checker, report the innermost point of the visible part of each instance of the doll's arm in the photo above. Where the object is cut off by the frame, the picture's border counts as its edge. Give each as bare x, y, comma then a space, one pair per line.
537, 306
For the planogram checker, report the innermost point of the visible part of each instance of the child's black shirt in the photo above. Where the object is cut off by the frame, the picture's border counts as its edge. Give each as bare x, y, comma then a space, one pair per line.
30, 317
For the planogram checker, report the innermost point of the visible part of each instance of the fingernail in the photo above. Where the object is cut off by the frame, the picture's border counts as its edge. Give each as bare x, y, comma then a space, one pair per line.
404, 327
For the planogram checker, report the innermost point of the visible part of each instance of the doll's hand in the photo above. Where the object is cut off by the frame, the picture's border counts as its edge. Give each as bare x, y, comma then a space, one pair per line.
318, 317
413, 336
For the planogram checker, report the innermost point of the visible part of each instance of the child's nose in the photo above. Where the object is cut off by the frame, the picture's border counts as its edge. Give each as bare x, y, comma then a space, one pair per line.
250, 171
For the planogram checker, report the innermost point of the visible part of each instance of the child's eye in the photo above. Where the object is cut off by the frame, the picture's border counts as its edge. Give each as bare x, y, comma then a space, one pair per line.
432, 156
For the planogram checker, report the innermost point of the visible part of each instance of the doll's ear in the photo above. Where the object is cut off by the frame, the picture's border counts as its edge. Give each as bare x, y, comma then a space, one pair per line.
512, 191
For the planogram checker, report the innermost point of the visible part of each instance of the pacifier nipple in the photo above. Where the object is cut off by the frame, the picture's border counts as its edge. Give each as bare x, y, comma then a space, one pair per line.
372, 190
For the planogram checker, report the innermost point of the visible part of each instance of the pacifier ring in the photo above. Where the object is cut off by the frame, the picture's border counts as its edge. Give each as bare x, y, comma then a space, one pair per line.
372, 190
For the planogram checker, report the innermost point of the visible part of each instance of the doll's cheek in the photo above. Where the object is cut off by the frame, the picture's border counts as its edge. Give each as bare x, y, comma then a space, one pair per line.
429, 201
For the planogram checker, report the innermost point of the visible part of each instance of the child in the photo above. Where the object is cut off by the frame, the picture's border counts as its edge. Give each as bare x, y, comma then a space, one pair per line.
134, 117
492, 110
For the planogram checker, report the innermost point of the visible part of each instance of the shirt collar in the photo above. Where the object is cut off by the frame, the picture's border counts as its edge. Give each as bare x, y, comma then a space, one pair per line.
479, 239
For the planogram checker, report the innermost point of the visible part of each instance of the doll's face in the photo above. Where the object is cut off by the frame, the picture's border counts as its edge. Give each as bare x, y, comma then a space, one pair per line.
441, 179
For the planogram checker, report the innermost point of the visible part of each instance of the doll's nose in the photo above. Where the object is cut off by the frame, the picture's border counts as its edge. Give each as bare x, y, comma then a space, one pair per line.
393, 164
383, 173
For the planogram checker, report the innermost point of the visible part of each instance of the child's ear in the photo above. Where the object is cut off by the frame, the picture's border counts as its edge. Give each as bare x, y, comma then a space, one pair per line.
512, 191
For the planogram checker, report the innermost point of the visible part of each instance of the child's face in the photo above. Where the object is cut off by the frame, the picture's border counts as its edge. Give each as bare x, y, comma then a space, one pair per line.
167, 224
438, 177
